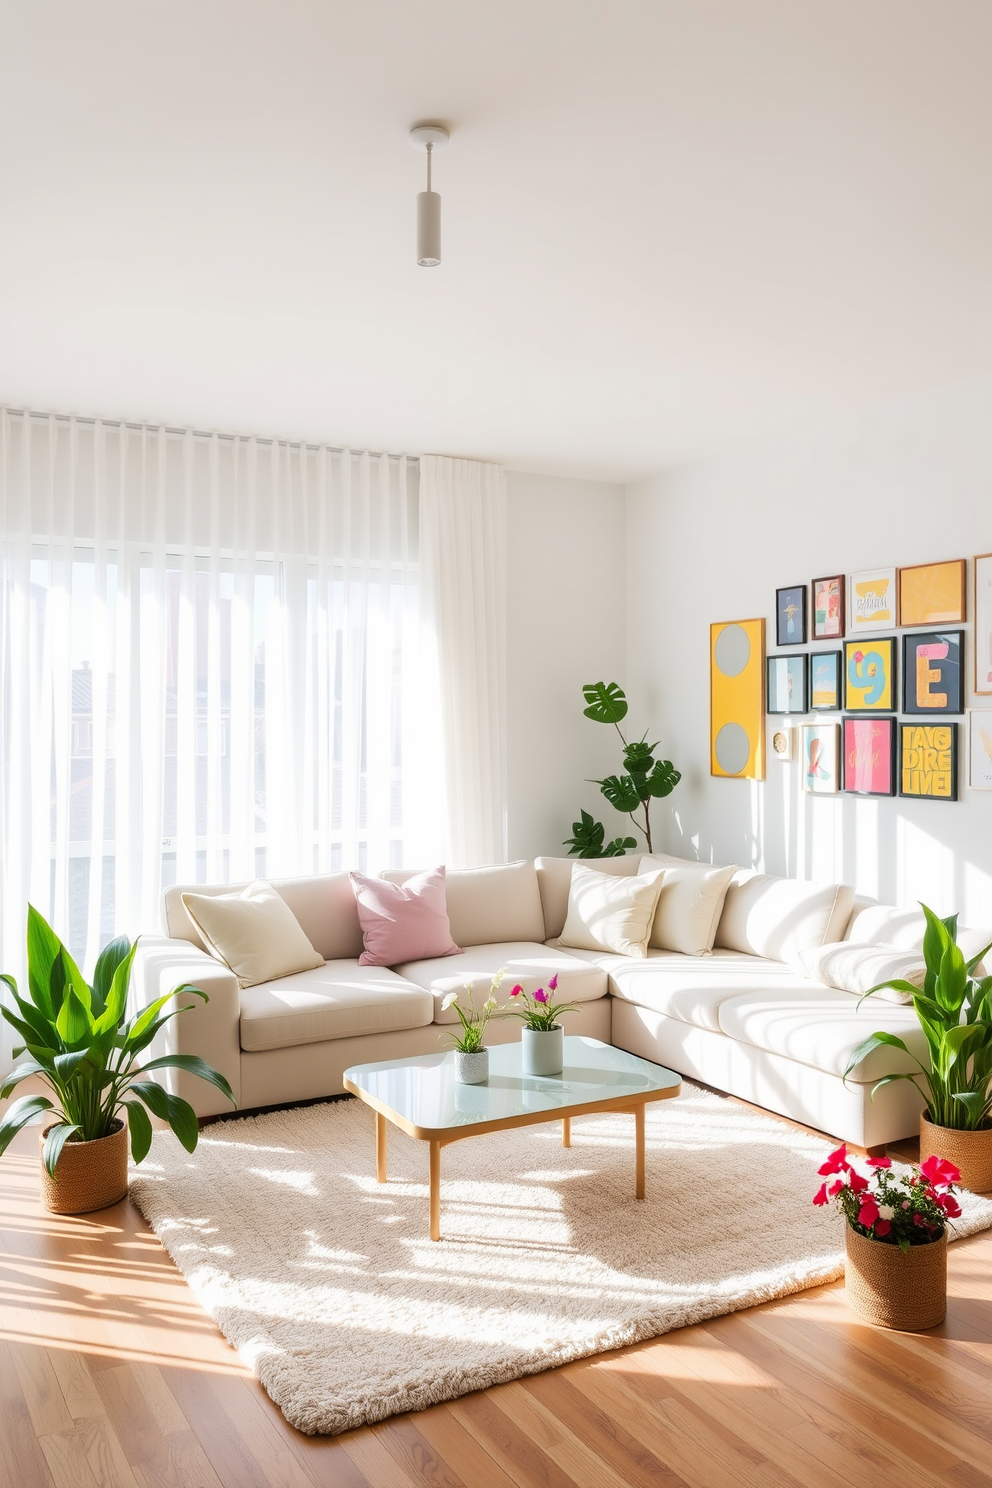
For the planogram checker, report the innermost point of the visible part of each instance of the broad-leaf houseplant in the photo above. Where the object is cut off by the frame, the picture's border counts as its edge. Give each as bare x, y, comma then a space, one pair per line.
80, 1043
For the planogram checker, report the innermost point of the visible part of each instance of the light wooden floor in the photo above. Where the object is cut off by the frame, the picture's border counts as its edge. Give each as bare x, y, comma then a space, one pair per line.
110, 1375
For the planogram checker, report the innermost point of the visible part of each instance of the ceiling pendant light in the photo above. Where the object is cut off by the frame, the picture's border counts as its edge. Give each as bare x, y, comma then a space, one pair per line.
429, 137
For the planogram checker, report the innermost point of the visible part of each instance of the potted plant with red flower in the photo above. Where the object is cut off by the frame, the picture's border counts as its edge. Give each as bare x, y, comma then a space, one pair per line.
542, 1038
896, 1236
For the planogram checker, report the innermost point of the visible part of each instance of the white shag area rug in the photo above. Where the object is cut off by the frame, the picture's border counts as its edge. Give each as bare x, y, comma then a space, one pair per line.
330, 1288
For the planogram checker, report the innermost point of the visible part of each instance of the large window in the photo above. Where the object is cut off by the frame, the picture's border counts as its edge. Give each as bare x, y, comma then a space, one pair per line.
214, 666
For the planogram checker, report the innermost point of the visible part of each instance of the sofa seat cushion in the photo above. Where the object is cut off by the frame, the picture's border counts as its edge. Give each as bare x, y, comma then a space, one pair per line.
821, 1027
527, 962
337, 1000
693, 988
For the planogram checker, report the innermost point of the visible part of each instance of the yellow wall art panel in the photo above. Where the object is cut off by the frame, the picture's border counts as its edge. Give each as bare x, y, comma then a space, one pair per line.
737, 699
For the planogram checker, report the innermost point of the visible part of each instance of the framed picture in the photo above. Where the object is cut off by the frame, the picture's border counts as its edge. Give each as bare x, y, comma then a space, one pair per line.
870, 756
828, 608
826, 681
821, 758
870, 675
932, 593
980, 749
783, 743
871, 600
932, 679
788, 684
983, 623
790, 616
737, 699
928, 761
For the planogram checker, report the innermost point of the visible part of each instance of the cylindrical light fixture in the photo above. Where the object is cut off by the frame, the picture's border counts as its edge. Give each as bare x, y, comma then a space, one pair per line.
429, 137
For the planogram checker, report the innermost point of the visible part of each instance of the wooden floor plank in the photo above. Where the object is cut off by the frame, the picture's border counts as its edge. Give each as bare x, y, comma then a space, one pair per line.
111, 1375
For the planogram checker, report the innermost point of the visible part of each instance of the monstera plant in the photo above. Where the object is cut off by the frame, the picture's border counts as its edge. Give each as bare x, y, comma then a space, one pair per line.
644, 779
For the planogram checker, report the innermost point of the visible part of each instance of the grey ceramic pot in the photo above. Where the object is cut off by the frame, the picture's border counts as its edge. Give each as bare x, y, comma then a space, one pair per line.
472, 1069
542, 1050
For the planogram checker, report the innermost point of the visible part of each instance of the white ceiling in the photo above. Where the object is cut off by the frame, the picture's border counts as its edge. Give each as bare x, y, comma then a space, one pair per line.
668, 224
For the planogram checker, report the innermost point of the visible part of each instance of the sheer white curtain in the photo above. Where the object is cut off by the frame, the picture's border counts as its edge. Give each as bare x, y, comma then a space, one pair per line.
214, 664
463, 552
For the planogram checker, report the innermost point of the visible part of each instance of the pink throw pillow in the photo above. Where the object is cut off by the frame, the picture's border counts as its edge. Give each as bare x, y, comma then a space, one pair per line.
403, 922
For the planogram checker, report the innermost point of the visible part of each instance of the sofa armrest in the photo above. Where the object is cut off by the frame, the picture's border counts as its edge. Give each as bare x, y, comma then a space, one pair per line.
209, 1029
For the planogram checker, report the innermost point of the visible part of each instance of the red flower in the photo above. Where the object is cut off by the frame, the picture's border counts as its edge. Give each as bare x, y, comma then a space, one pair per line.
553, 983
918, 1219
868, 1213
835, 1188
879, 1162
517, 990
949, 1204
939, 1170
821, 1196
857, 1183
882, 1227
836, 1163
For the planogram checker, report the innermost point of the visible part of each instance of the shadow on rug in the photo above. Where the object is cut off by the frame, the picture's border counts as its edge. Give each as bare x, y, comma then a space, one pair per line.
329, 1287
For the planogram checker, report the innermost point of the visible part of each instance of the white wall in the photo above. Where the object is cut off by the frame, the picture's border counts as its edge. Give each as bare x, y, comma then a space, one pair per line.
565, 626
907, 484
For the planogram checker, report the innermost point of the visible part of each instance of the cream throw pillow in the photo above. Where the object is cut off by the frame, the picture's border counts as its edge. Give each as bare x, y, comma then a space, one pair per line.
255, 933
610, 914
690, 904
858, 968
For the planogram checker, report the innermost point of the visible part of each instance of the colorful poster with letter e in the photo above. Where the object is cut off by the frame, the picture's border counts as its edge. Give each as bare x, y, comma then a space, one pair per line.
928, 763
932, 680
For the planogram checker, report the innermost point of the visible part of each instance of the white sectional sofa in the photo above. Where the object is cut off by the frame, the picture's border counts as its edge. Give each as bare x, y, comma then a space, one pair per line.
740, 1018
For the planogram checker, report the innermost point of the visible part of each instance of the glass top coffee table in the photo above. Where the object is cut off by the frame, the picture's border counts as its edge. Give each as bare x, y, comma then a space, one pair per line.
422, 1097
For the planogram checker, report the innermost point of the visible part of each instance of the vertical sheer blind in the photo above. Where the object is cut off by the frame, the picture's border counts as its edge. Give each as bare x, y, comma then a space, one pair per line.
213, 665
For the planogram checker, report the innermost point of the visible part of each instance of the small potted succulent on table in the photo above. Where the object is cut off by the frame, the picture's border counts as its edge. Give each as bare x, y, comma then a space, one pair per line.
896, 1237
471, 1057
542, 1037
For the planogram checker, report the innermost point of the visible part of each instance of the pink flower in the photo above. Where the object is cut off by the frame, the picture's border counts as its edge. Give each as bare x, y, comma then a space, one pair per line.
949, 1204
868, 1213
918, 1219
882, 1227
516, 990
836, 1163
553, 983
857, 1183
821, 1196
879, 1162
540, 995
939, 1170
905, 1203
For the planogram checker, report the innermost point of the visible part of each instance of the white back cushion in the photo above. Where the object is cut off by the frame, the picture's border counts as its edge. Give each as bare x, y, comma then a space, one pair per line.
689, 905
487, 905
324, 906
610, 912
781, 917
903, 929
554, 877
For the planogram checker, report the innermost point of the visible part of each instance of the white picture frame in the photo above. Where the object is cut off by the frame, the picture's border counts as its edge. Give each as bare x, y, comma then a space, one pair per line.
872, 601
980, 749
983, 624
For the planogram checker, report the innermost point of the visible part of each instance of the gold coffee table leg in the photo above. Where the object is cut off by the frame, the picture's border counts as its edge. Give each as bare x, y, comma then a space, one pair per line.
435, 1161
639, 1147
380, 1148
566, 1131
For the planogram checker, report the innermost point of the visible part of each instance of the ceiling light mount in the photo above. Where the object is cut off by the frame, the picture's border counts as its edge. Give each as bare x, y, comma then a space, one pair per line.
429, 137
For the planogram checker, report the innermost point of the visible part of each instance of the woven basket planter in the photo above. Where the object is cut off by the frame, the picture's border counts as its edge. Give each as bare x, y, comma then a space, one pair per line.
970, 1151
88, 1175
893, 1288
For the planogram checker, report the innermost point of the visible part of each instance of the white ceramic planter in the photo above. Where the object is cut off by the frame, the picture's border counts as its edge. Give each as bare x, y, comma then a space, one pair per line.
472, 1069
542, 1051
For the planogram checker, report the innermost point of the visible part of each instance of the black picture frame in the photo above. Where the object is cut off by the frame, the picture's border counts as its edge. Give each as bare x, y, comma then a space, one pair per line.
884, 727
790, 605
787, 681
825, 633
946, 673
919, 771
820, 659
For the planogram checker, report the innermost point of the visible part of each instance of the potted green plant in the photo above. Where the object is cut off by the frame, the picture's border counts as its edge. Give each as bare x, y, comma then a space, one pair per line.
471, 1055
955, 1012
542, 1038
643, 779
896, 1237
81, 1044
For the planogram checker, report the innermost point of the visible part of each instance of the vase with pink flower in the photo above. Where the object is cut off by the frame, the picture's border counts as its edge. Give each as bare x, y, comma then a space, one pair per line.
542, 1038
896, 1236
